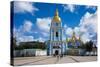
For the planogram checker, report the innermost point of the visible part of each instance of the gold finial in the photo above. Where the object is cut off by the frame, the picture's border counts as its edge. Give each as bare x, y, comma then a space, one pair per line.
73, 34
56, 13
79, 38
56, 18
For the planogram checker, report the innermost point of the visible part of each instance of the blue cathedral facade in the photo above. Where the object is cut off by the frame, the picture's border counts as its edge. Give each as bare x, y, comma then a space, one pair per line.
55, 45
74, 42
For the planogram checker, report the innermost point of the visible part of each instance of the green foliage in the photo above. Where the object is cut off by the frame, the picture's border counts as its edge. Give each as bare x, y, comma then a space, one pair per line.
14, 43
31, 45
88, 46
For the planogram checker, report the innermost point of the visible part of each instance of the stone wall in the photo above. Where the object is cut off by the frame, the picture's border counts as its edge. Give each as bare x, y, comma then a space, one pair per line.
29, 52
73, 52
80, 52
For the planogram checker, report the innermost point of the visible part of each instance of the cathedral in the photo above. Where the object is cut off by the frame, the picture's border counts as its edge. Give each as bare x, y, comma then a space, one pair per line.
55, 45
74, 42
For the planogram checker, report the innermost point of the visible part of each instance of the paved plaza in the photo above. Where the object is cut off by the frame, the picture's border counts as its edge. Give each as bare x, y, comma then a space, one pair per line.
40, 60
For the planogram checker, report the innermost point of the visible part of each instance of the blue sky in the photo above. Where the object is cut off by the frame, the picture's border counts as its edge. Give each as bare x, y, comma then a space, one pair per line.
32, 20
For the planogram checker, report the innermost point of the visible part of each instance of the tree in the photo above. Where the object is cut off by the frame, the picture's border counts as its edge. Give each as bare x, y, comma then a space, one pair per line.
89, 46
31, 45
14, 42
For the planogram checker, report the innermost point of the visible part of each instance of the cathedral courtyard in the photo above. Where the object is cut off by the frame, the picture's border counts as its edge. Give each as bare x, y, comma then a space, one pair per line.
41, 60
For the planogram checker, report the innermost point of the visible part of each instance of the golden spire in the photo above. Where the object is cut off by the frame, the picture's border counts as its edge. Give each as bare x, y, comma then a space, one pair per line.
73, 36
79, 38
56, 13
73, 33
56, 18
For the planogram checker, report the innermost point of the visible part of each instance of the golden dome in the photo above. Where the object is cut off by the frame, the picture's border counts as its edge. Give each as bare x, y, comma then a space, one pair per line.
56, 18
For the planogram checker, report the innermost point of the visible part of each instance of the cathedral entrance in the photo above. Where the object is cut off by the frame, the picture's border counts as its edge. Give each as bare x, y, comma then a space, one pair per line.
56, 52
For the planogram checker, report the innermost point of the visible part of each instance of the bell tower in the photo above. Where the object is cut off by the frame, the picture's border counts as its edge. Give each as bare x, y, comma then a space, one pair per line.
56, 28
55, 45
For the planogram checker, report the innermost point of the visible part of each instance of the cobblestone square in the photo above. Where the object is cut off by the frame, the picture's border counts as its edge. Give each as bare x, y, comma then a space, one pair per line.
41, 60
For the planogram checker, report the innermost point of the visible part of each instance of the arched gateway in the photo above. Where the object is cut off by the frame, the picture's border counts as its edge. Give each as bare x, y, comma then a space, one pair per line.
55, 45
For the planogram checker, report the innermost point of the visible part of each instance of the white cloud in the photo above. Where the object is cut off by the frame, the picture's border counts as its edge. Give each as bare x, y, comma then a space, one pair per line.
69, 31
89, 22
41, 39
85, 37
69, 7
27, 26
64, 37
20, 37
19, 33
35, 32
43, 24
45, 34
14, 32
91, 7
77, 31
25, 38
22, 7
65, 26
88, 26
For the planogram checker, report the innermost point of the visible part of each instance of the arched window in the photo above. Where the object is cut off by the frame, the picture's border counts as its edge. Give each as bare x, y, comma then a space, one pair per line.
56, 34
56, 24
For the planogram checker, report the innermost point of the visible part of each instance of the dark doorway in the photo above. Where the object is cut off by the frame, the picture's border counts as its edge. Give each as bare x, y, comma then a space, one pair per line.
56, 52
